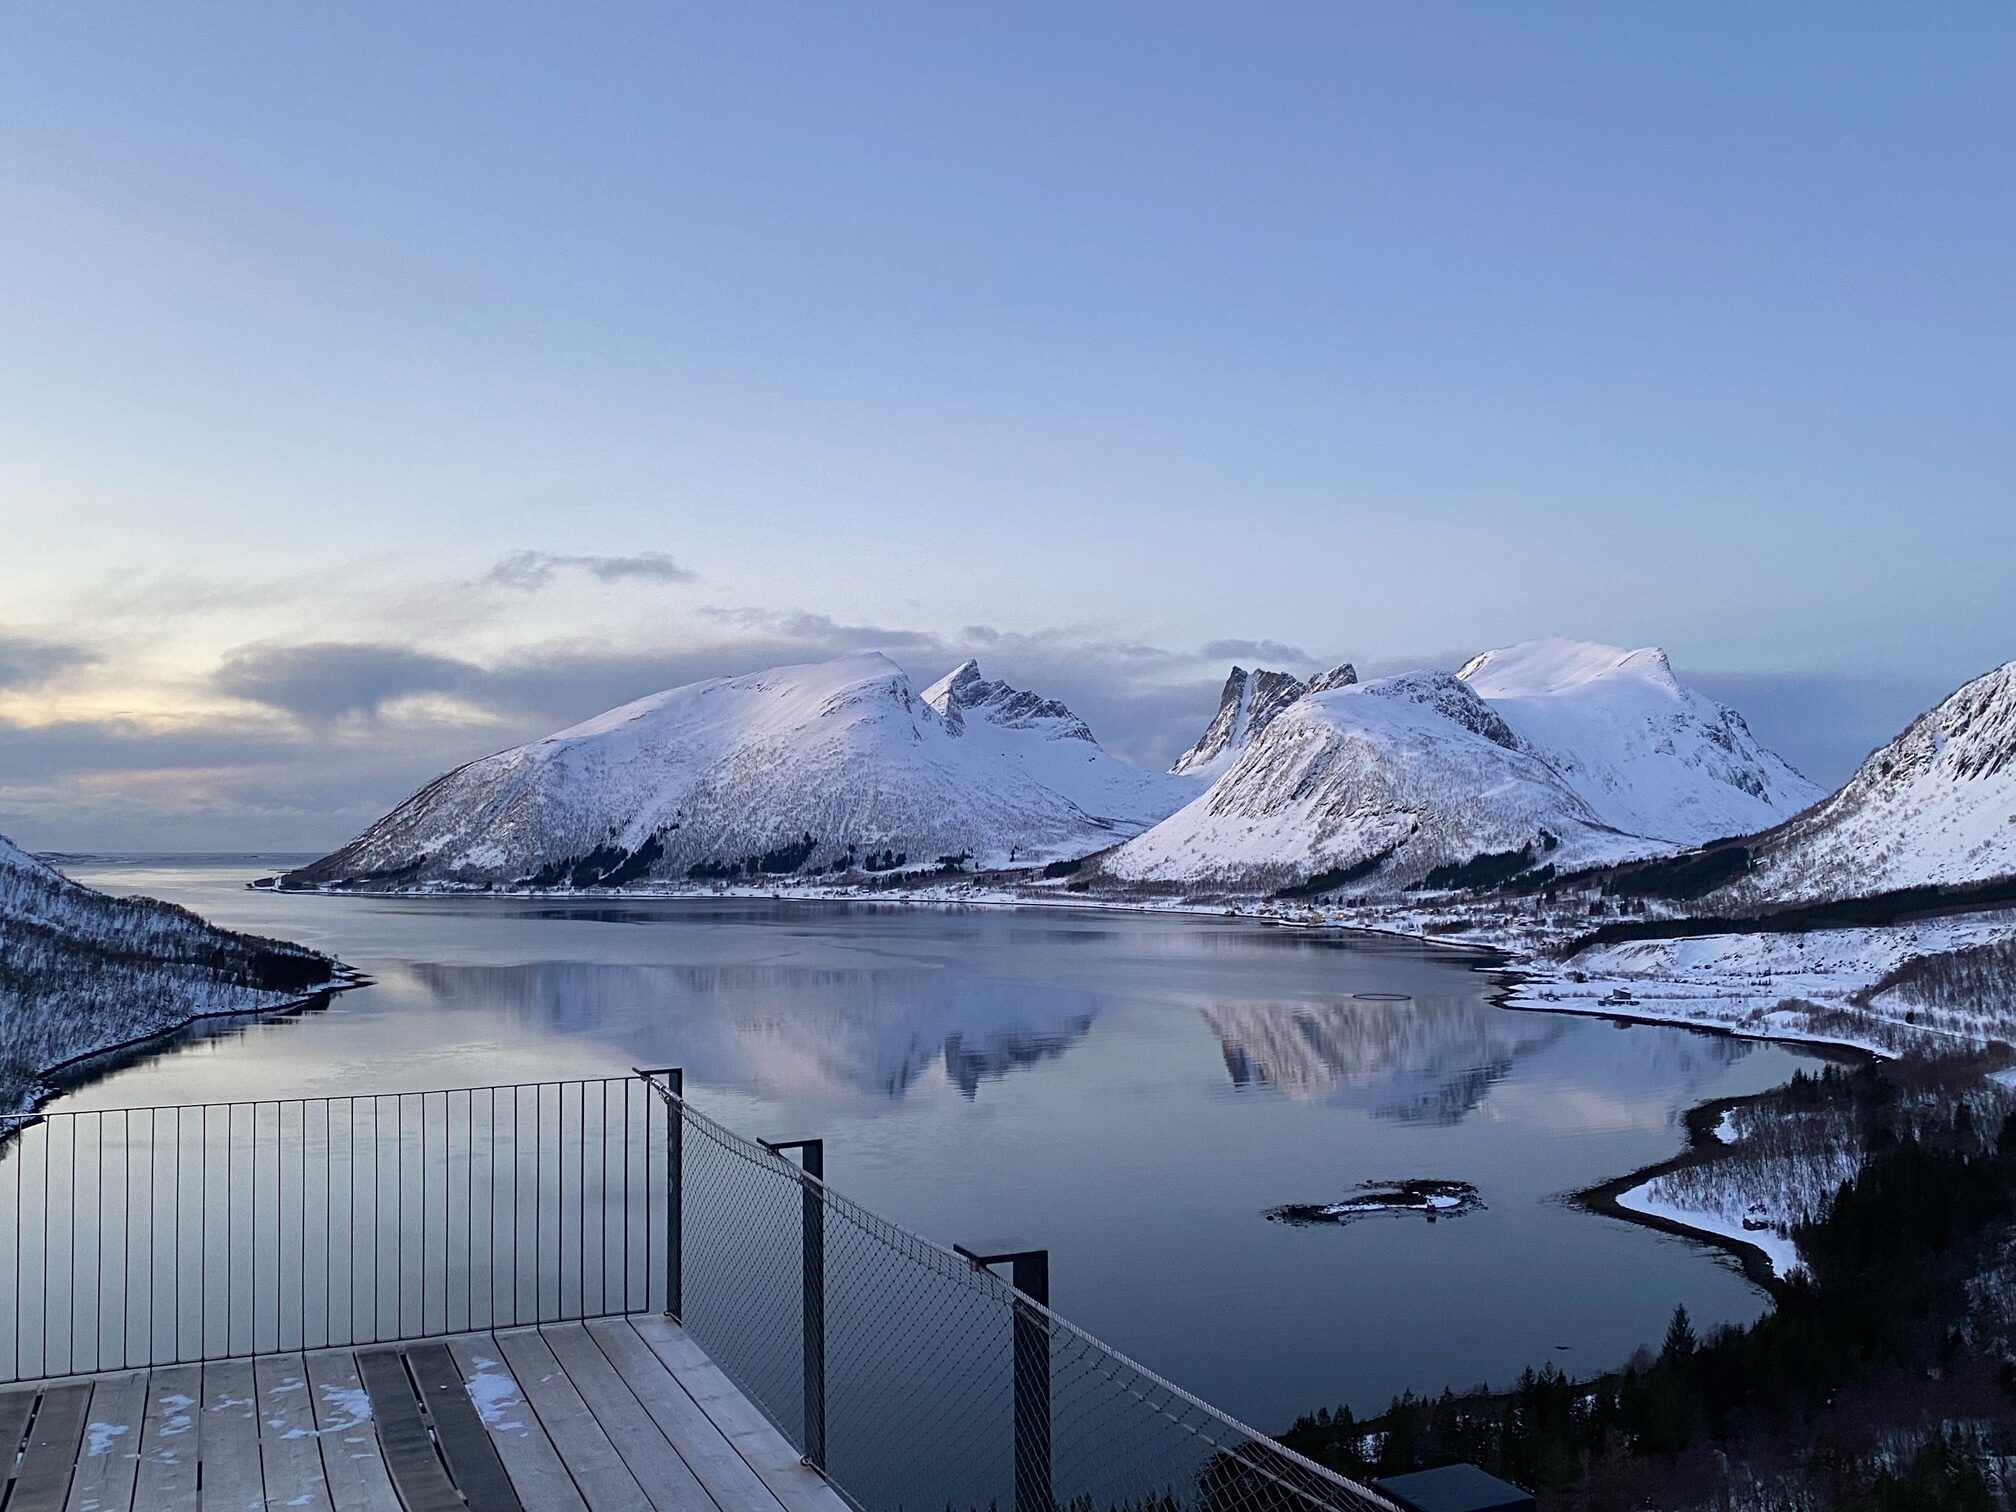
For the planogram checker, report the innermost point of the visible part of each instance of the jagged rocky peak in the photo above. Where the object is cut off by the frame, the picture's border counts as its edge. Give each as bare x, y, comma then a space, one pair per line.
1246, 706
963, 690
1342, 676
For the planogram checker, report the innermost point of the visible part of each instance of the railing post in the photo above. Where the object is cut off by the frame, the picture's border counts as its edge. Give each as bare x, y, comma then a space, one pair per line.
813, 1229
675, 1189
1029, 1274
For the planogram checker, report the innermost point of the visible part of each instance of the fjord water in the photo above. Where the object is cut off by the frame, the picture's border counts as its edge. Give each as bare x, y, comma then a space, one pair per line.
1132, 1090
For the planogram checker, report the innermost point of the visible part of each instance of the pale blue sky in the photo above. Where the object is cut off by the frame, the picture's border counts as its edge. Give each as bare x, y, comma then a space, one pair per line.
1386, 332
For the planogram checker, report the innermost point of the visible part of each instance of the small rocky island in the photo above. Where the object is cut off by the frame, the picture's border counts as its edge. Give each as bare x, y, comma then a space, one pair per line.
1428, 1196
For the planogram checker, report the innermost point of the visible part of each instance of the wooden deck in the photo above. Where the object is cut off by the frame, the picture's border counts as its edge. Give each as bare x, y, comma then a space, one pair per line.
617, 1415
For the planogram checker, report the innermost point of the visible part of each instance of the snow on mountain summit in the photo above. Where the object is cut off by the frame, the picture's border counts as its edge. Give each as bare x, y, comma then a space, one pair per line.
830, 768
1649, 756
1576, 753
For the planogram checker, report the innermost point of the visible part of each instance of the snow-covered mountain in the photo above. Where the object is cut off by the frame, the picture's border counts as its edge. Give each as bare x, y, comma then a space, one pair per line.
1052, 746
1937, 805
81, 971
1550, 753
1246, 706
832, 769
1647, 755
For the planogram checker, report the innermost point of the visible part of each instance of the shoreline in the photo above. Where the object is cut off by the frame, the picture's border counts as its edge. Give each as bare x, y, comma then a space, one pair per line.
1604, 1199
52, 1080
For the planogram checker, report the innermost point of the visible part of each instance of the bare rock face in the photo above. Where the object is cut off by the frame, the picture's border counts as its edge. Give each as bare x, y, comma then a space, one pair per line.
1337, 677
963, 689
1247, 706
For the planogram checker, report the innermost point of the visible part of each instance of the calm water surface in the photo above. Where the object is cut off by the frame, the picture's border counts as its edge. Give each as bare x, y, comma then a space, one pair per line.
1132, 1091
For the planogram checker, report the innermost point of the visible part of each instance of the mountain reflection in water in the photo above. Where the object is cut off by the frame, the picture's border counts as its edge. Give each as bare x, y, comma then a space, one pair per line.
1133, 1091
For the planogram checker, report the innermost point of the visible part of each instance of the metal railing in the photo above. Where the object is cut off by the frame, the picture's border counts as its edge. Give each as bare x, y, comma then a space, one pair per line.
911, 1375
152, 1236
915, 1377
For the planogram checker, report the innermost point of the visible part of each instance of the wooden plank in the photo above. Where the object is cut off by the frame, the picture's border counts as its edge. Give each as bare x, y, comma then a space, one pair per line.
16, 1407
718, 1464
232, 1480
464, 1443
171, 1440
351, 1458
666, 1478
541, 1479
111, 1458
416, 1470
600, 1475
799, 1487
42, 1480
289, 1456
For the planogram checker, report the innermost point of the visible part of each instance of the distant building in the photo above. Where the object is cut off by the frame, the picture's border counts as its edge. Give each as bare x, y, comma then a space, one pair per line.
1455, 1488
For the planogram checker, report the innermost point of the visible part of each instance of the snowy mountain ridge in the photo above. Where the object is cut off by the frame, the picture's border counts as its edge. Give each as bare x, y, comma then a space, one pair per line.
835, 768
1557, 753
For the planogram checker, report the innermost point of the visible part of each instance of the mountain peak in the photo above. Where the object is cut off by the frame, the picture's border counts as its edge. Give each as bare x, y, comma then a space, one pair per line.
1344, 675
1246, 705
1540, 668
963, 690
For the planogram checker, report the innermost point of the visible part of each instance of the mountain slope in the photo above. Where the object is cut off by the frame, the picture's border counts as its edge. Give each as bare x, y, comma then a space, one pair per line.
1554, 752
81, 971
1937, 805
1648, 756
1383, 782
831, 768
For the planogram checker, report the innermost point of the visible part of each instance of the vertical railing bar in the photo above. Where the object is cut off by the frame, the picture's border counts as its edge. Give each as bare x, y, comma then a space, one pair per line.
629, 1094
517, 1184
76, 1133
581, 1201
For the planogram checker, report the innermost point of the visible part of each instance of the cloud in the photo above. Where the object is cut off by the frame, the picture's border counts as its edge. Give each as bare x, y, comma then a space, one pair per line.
28, 662
326, 680
818, 633
530, 571
1255, 650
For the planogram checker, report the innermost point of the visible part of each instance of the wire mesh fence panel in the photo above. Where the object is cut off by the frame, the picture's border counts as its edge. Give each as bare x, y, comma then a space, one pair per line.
938, 1385
141, 1236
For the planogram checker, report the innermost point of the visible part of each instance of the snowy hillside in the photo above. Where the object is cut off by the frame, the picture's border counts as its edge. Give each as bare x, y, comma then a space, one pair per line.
1552, 753
834, 769
80, 971
1246, 706
1937, 805
1648, 756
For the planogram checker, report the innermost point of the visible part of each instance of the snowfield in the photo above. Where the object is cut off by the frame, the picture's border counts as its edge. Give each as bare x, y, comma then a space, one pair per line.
1824, 986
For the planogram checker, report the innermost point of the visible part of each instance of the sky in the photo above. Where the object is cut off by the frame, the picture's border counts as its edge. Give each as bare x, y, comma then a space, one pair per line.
381, 385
